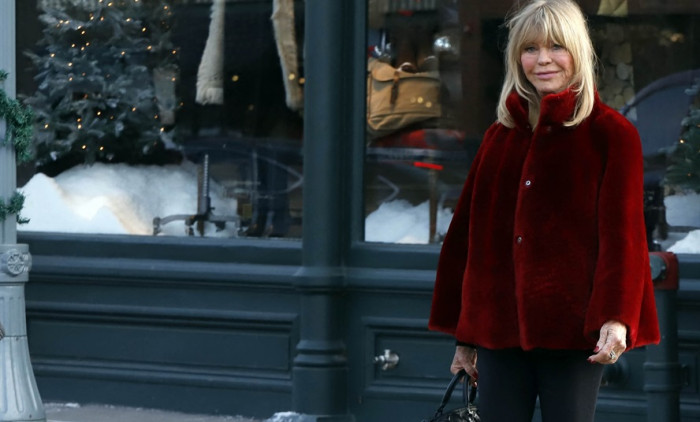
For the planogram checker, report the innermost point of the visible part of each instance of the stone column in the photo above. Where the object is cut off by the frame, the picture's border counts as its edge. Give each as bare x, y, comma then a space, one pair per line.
19, 396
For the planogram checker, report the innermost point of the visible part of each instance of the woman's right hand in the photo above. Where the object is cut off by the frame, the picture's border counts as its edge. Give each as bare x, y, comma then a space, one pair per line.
465, 358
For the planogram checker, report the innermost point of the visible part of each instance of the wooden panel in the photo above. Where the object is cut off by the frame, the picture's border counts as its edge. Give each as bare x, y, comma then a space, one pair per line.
411, 340
165, 342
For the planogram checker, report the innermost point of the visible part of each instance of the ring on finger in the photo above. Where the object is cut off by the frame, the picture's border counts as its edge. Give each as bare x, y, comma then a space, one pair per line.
613, 355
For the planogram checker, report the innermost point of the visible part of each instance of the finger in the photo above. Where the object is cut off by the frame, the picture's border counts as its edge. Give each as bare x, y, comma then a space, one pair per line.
601, 355
602, 339
459, 363
602, 358
606, 356
456, 367
468, 367
474, 377
471, 370
596, 356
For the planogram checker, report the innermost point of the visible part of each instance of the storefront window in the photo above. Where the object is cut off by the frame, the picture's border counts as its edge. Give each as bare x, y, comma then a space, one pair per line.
442, 60
163, 117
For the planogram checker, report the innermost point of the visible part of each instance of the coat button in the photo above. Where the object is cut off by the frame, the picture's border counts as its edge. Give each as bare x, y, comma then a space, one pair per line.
548, 129
528, 183
519, 240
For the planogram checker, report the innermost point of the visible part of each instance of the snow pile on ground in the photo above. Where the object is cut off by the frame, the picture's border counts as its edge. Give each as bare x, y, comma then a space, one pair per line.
118, 199
689, 244
400, 222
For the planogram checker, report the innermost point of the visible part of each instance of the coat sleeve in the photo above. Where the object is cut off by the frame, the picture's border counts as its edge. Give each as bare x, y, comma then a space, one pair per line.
622, 288
447, 302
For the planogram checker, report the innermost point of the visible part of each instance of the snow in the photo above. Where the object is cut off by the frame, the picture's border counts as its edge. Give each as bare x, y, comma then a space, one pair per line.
400, 222
689, 244
683, 210
119, 199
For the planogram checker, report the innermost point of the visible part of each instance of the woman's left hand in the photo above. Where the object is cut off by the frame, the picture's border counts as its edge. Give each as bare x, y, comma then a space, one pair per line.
611, 345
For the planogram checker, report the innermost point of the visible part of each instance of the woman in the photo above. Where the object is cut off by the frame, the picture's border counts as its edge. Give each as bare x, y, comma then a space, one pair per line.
544, 272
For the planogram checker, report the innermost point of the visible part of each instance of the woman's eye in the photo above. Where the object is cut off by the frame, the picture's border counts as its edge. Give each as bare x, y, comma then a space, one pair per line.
530, 49
558, 47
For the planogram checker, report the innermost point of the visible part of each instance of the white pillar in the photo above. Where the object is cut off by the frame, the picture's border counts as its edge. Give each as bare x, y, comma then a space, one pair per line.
19, 396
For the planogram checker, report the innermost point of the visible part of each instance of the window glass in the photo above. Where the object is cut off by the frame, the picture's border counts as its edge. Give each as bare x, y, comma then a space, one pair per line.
442, 61
163, 117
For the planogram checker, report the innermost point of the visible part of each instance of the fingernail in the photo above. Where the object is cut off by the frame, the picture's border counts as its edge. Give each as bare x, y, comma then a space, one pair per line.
590, 360
596, 349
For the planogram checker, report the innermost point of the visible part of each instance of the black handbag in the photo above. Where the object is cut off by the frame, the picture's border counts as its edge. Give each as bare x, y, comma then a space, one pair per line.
468, 413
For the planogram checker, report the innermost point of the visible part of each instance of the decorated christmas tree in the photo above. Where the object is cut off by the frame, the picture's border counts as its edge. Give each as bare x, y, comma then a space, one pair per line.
684, 169
97, 72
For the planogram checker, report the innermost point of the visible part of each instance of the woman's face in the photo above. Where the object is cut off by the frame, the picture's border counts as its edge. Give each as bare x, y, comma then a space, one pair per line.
549, 67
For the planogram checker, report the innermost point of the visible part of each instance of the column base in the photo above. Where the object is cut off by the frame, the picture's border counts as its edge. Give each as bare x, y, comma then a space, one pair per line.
19, 397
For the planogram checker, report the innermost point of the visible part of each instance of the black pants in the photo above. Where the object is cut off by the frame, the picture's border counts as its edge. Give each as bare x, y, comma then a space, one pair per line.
511, 380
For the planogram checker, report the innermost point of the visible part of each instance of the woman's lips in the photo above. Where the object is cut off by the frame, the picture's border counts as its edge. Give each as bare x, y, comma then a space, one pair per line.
546, 75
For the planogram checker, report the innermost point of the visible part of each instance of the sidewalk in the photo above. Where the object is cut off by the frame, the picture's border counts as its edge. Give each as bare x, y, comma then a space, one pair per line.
72, 412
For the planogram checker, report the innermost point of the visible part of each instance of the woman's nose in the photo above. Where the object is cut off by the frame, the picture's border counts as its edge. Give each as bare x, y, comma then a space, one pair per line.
544, 56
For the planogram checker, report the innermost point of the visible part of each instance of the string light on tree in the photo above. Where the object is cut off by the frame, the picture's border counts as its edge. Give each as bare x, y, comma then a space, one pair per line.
97, 79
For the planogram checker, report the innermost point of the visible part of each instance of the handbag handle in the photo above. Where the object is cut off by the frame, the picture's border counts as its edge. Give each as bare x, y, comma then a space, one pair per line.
468, 392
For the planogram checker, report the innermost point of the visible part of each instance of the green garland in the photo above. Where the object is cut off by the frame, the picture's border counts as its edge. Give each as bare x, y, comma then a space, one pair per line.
19, 123
14, 206
19, 131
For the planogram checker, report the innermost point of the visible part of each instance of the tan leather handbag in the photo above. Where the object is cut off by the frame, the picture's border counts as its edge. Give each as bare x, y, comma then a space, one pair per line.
396, 99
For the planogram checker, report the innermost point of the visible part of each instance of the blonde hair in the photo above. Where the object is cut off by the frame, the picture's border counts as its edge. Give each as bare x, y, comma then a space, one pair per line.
556, 21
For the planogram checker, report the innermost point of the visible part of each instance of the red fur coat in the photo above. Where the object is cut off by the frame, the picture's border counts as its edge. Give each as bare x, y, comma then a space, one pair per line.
547, 241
